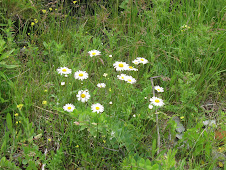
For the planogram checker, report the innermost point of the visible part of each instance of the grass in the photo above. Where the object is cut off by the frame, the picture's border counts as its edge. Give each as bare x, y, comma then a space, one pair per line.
189, 60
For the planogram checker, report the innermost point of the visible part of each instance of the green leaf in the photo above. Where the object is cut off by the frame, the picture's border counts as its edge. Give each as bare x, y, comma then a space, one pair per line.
153, 148
9, 122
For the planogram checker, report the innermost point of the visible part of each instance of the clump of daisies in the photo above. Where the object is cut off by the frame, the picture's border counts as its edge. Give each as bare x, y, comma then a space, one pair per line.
83, 96
155, 101
101, 85
81, 75
94, 53
139, 60
64, 71
128, 79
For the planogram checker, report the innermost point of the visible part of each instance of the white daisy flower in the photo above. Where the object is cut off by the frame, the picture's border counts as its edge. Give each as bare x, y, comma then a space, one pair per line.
64, 70
94, 53
62, 83
142, 60
120, 66
134, 115
156, 101
69, 107
83, 96
81, 75
97, 108
130, 79
132, 68
150, 106
110, 102
105, 74
101, 85
159, 89
110, 56
122, 76
136, 62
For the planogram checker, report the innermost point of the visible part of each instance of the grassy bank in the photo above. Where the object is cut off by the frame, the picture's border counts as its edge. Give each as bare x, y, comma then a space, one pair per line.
184, 45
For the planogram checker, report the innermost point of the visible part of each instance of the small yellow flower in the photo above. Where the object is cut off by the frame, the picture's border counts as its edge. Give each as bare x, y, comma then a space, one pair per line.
36, 21
56, 9
109, 89
221, 149
16, 114
24, 47
50, 9
77, 146
104, 141
32, 23
28, 33
182, 117
44, 11
49, 139
17, 122
221, 164
74, 2
44, 102
45, 90
20, 106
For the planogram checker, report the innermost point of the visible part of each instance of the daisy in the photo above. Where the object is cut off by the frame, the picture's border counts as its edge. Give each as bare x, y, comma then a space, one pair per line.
105, 74
81, 75
62, 83
156, 101
150, 106
159, 89
130, 79
69, 107
136, 62
101, 85
120, 66
64, 70
83, 96
142, 60
97, 108
132, 68
94, 53
110, 56
122, 76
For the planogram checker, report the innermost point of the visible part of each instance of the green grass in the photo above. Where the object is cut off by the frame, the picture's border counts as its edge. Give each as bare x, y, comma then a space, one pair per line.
190, 63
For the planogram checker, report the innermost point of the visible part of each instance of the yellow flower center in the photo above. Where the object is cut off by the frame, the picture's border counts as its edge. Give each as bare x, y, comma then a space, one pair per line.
129, 80
97, 108
158, 89
130, 67
69, 108
80, 75
64, 70
122, 77
157, 100
120, 65
142, 59
93, 53
83, 95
